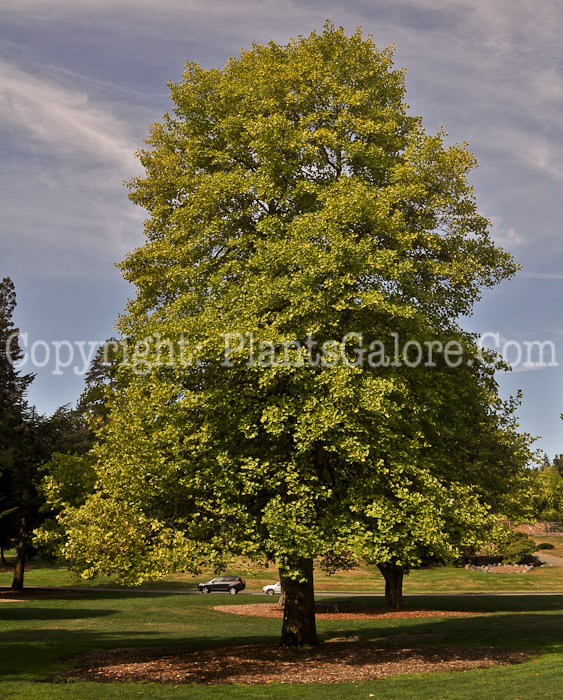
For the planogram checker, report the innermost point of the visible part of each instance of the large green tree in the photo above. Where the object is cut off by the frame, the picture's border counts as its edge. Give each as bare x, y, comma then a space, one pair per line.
298, 387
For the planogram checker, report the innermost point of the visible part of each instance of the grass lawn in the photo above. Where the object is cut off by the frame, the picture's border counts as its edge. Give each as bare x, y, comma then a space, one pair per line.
365, 579
35, 635
555, 540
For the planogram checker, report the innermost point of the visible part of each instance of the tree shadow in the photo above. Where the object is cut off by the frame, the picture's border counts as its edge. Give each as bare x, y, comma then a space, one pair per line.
462, 603
34, 651
55, 593
32, 613
524, 630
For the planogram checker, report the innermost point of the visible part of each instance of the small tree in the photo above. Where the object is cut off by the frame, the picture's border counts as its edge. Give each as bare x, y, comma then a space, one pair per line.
290, 392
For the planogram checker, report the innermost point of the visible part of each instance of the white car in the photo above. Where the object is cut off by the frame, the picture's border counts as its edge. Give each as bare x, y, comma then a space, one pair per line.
272, 588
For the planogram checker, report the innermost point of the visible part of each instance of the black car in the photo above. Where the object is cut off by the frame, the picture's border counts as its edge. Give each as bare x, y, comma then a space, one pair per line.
232, 584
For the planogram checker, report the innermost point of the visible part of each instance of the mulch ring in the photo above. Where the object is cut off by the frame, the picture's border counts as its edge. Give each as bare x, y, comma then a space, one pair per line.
338, 611
253, 664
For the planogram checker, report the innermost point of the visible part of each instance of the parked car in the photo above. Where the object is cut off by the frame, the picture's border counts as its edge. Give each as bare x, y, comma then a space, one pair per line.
232, 584
272, 588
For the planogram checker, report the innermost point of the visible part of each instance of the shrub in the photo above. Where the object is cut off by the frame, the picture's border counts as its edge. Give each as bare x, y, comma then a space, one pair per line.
545, 545
519, 547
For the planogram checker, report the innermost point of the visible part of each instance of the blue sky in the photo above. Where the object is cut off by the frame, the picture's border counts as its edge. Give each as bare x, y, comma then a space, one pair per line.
81, 79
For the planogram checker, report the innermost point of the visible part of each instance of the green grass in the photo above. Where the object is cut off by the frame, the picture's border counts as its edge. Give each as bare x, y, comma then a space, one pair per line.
35, 635
364, 579
541, 681
453, 580
555, 540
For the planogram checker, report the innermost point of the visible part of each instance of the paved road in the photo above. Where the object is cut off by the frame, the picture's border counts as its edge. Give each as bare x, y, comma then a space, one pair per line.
549, 559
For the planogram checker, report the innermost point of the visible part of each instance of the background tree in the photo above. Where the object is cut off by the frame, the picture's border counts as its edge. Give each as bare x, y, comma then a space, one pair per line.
547, 490
558, 463
27, 441
13, 384
68, 477
21, 500
293, 201
13, 413
36, 441
100, 381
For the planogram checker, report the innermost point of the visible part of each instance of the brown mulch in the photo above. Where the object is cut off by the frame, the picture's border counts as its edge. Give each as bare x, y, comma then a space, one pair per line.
339, 660
327, 612
253, 664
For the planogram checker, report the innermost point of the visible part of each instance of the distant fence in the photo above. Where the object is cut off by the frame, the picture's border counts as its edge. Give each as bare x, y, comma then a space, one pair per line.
542, 527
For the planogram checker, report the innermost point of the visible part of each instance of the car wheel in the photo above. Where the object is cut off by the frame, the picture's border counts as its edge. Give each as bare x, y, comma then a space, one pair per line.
270, 591
233, 591
205, 589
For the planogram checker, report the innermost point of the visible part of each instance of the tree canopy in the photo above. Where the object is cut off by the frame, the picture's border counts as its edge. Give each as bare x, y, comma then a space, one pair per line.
297, 385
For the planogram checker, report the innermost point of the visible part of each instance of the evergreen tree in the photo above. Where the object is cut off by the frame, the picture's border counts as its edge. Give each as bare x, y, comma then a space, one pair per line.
15, 418
27, 441
13, 385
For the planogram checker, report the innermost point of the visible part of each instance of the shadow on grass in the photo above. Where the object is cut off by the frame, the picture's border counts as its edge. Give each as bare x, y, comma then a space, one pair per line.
35, 594
31, 654
469, 603
31, 613
44, 654
41, 654
32, 651
526, 630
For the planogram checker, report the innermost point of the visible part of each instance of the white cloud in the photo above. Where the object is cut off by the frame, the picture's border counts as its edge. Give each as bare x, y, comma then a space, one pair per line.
62, 121
492, 70
506, 237
65, 159
542, 153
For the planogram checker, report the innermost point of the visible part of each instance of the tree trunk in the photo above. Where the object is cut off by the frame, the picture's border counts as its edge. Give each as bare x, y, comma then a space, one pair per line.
393, 575
281, 601
299, 627
19, 568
